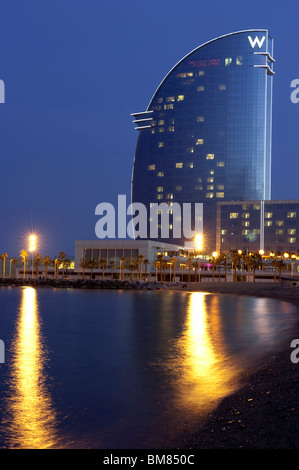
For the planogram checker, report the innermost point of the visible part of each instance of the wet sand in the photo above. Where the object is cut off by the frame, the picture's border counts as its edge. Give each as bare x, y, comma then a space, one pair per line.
264, 413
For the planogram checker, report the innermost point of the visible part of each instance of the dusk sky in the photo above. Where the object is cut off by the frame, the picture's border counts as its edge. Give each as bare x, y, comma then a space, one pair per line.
74, 71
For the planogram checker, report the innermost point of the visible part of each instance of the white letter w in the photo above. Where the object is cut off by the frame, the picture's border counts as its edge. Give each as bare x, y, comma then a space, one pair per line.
257, 41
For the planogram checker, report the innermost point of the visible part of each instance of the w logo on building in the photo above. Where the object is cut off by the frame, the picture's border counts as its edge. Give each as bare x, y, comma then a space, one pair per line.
2, 92
256, 41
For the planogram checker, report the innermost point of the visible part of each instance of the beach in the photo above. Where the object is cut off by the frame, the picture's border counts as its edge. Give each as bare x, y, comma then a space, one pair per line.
264, 412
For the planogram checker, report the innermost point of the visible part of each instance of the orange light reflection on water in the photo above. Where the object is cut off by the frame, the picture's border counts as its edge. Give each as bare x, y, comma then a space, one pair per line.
31, 417
203, 371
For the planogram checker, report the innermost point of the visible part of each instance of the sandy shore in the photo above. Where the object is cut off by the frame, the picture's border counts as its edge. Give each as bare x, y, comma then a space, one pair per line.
264, 413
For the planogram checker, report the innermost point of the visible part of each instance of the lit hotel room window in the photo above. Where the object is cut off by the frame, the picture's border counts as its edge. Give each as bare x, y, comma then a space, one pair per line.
179, 165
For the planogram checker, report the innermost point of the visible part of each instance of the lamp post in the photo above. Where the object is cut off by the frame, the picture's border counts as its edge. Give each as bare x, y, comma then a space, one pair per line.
32, 247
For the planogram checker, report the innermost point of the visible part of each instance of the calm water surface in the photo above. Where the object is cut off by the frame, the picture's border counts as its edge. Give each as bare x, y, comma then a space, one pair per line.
122, 369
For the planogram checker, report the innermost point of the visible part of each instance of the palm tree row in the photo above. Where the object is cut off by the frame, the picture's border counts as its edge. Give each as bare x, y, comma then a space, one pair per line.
60, 261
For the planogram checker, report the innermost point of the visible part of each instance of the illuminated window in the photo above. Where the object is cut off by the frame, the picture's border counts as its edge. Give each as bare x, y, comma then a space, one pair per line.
220, 164
190, 165
223, 232
158, 108
256, 231
201, 73
161, 144
245, 223
268, 215
210, 187
200, 119
180, 97
179, 165
199, 141
198, 187
159, 100
246, 215
228, 61
160, 189
210, 156
244, 232
268, 223
190, 149
291, 231
161, 122
200, 88
160, 173
245, 207
234, 215
291, 215
220, 195
220, 186
153, 131
181, 75
239, 60
169, 196
161, 129
279, 231
178, 188
170, 128
169, 99
151, 167
292, 240
159, 196
222, 87
211, 172
189, 74
280, 223
256, 207
209, 195
199, 180
210, 180
168, 106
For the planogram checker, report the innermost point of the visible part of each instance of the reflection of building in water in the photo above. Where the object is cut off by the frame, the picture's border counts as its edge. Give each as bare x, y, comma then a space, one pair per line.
30, 415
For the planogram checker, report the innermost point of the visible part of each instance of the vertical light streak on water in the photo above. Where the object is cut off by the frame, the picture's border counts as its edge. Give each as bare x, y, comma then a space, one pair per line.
30, 414
204, 373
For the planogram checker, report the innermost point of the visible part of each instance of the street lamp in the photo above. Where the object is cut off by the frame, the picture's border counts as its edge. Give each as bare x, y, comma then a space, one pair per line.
198, 240
32, 246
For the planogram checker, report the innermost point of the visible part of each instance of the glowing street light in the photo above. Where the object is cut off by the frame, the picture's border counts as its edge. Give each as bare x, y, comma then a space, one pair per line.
198, 240
32, 246
214, 254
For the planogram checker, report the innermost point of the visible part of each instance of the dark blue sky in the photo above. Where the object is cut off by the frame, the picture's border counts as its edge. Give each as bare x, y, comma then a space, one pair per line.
75, 70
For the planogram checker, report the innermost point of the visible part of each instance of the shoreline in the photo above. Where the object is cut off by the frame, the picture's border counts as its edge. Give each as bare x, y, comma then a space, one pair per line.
264, 412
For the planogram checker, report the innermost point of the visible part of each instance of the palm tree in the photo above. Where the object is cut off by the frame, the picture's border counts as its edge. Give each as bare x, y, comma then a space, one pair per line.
57, 263
67, 264
140, 261
47, 261
91, 264
61, 257
235, 259
14, 262
24, 256
37, 262
2, 257
160, 260
156, 264
82, 265
112, 264
174, 261
102, 264
146, 263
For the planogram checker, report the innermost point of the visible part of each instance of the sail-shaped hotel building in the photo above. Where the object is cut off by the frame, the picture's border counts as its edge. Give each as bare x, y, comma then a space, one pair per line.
205, 136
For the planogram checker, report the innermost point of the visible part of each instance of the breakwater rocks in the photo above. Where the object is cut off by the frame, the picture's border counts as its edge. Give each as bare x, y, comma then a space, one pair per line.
87, 284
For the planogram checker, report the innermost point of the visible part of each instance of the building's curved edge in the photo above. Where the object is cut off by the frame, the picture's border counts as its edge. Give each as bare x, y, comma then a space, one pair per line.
202, 45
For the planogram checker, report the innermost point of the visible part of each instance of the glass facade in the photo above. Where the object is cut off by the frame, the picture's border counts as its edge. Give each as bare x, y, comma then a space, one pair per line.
253, 225
206, 134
